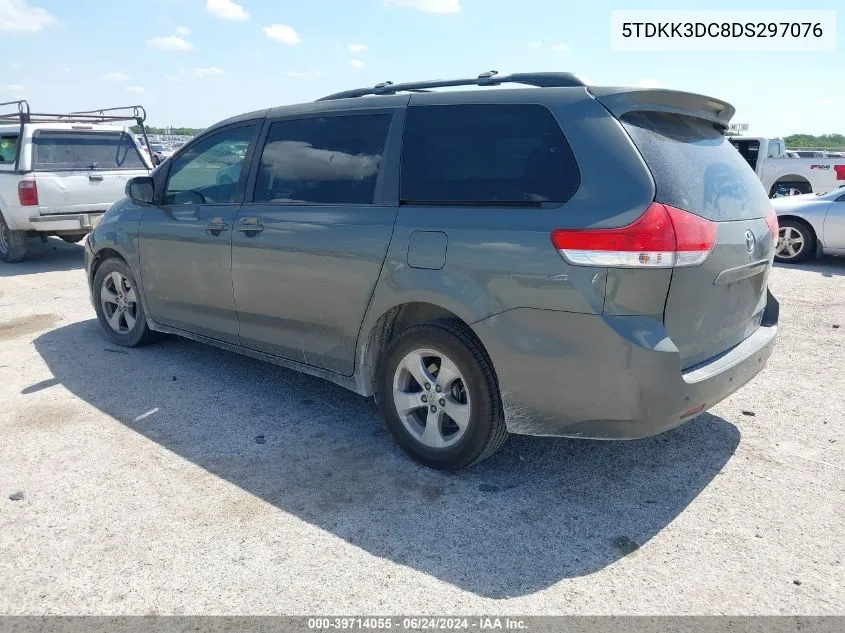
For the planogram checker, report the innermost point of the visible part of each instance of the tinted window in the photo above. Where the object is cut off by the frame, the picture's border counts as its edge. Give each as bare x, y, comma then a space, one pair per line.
325, 160
73, 149
208, 172
8, 148
695, 167
749, 150
486, 154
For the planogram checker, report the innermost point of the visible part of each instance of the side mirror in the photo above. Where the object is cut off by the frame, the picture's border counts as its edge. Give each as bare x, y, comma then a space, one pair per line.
141, 189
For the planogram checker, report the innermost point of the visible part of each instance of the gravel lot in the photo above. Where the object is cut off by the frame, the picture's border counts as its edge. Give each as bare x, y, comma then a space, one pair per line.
147, 488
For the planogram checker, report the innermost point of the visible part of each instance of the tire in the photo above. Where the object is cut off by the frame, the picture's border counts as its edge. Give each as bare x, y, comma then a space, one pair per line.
127, 327
795, 237
470, 392
12, 243
73, 239
800, 187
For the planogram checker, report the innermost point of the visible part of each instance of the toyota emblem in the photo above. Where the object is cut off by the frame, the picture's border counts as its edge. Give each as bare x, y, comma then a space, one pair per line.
749, 241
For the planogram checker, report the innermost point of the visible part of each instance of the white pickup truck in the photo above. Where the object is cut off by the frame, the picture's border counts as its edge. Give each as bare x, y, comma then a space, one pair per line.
60, 172
784, 175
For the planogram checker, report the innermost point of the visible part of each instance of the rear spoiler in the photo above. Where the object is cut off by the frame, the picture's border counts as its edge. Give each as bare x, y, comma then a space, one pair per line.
620, 101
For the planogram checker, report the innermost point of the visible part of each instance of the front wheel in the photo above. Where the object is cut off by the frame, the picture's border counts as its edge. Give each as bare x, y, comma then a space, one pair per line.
118, 305
440, 398
795, 242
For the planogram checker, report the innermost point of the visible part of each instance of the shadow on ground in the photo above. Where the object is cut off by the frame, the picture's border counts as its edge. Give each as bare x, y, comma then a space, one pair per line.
542, 510
827, 266
43, 257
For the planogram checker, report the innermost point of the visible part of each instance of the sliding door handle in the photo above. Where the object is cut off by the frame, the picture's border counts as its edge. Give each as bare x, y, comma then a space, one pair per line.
216, 227
250, 226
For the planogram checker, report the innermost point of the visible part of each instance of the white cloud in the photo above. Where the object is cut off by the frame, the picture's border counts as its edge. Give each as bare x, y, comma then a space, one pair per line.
649, 83
226, 10
135, 89
429, 6
183, 30
67, 69
115, 76
282, 33
824, 101
16, 16
15, 88
358, 48
209, 71
356, 63
294, 73
535, 44
171, 43
172, 78
560, 48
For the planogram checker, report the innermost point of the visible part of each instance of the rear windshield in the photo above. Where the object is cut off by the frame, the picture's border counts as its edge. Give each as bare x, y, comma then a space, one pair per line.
8, 148
695, 167
72, 149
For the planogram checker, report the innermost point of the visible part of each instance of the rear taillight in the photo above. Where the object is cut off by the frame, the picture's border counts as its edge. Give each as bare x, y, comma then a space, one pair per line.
772, 221
840, 172
28, 193
662, 237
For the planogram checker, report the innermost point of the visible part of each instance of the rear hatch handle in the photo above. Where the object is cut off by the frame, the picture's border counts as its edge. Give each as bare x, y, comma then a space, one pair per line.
732, 275
95, 177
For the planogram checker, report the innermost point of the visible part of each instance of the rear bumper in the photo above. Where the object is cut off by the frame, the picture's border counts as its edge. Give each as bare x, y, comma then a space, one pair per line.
608, 377
64, 222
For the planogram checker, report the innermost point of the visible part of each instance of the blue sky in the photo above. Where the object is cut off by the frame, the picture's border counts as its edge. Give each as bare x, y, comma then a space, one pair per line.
193, 62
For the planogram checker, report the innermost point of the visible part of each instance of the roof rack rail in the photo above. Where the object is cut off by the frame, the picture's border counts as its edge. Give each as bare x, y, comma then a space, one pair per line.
24, 115
490, 78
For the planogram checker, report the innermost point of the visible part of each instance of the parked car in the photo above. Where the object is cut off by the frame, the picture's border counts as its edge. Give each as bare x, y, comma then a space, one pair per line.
810, 225
790, 172
60, 172
461, 256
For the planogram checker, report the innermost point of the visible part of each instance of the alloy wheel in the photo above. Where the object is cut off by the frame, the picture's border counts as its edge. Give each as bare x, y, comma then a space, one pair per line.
119, 302
431, 398
790, 243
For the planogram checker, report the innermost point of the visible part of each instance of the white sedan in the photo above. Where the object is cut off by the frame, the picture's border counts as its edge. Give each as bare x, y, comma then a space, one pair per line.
810, 224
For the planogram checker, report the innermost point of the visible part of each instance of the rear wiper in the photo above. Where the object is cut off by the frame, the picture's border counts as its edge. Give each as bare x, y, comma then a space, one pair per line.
92, 166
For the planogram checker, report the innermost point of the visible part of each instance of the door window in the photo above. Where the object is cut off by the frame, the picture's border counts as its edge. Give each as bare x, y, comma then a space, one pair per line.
323, 160
208, 172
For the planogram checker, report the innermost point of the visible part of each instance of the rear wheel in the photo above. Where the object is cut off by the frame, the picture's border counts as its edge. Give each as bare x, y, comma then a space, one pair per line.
780, 189
795, 242
73, 239
12, 243
439, 396
118, 305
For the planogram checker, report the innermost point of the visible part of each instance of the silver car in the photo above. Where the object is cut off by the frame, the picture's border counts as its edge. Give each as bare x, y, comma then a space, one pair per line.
810, 224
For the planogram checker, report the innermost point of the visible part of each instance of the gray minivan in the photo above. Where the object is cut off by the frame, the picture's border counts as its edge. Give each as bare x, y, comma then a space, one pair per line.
557, 259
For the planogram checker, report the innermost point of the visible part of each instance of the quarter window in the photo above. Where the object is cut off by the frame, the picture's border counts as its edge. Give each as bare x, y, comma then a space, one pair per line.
485, 154
8, 148
208, 172
323, 160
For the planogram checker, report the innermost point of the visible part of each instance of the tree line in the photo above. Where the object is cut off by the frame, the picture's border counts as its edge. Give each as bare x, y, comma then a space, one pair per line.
181, 131
827, 141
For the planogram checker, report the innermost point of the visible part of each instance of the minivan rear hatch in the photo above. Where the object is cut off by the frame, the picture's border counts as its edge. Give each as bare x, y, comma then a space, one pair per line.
715, 305
83, 170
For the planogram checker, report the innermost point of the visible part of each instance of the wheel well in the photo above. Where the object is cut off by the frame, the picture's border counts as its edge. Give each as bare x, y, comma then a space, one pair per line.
793, 178
390, 325
101, 256
795, 218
